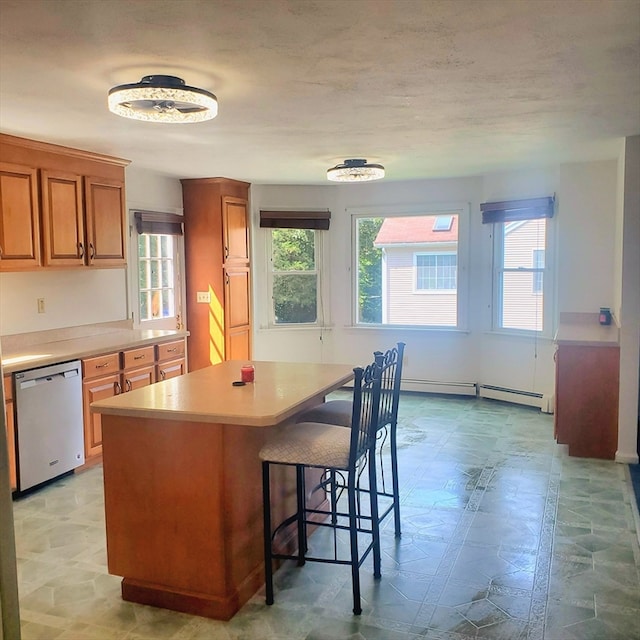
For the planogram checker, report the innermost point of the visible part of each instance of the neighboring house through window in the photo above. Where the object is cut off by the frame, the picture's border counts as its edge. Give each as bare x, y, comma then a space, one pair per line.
523, 282
407, 269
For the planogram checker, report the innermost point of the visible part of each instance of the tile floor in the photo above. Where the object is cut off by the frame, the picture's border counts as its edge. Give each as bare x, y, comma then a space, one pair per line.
504, 538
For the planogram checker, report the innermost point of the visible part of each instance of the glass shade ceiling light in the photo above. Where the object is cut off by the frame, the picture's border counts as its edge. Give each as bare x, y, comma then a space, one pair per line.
355, 170
162, 99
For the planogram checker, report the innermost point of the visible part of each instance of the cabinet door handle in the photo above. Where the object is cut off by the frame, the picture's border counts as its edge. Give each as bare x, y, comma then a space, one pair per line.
163, 374
128, 384
140, 357
118, 388
92, 251
81, 247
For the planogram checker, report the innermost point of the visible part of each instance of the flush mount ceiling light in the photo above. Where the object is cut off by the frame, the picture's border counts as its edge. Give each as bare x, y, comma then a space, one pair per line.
355, 170
162, 99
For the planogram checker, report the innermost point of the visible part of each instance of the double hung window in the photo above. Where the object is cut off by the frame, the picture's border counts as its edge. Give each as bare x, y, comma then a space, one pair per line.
295, 276
522, 276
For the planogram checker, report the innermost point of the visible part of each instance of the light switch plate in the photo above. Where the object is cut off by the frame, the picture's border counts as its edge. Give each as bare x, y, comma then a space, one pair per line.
203, 296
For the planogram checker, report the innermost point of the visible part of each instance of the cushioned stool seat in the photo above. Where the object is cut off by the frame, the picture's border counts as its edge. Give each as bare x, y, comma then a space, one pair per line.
338, 412
335, 451
331, 412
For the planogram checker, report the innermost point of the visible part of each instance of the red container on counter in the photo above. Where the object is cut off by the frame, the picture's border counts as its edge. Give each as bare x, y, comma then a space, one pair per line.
247, 373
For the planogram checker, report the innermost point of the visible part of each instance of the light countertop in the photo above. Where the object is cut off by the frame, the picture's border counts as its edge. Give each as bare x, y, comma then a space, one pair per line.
18, 355
280, 390
583, 329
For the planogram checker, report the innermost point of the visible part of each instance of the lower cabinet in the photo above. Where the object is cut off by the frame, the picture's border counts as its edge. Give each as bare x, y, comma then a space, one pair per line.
11, 432
586, 413
92, 391
132, 369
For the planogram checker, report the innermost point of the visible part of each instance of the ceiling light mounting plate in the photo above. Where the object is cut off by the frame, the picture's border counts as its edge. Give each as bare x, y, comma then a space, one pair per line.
161, 98
355, 170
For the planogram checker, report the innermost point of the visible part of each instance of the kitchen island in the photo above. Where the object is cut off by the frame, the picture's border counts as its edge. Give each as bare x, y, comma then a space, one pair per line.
182, 480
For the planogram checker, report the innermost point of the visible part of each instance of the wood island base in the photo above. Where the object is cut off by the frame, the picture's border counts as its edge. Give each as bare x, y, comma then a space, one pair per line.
183, 481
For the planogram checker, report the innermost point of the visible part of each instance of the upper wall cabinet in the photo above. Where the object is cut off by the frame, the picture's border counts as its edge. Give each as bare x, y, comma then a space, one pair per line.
19, 217
61, 207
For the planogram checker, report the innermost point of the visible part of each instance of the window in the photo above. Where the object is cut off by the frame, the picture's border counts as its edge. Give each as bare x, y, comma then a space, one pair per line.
294, 276
399, 259
436, 271
520, 274
156, 272
157, 282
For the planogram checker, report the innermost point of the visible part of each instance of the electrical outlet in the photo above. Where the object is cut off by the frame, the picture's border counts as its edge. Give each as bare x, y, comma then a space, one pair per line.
203, 296
40, 305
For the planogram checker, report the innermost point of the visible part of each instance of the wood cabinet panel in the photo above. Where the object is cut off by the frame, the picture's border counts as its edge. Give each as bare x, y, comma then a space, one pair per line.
92, 391
11, 431
235, 227
170, 350
138, 378
62, 219
171, 369
105, 221
19, 217
217, 259
99, 365
134, 358
587, 388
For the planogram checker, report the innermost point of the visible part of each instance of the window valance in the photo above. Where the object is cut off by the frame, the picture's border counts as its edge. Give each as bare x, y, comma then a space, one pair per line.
158, 222
318, 220
515, 210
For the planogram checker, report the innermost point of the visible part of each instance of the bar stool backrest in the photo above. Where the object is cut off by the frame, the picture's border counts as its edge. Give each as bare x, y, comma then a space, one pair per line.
391, 376
366, 408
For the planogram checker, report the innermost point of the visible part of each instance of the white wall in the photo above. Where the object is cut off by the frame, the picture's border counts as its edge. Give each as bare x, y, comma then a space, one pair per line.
83, 296
629, 303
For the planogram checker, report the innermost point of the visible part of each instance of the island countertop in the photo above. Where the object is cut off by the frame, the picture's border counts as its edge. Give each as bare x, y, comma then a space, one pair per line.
208, 395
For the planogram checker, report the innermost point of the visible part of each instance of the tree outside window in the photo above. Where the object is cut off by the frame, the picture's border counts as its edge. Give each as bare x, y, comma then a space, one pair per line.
294, 276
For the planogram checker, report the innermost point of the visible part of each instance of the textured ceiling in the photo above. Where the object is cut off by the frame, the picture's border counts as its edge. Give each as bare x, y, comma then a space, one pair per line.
427, 88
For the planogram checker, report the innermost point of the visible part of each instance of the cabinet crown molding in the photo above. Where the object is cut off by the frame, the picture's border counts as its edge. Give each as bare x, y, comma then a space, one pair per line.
6, 139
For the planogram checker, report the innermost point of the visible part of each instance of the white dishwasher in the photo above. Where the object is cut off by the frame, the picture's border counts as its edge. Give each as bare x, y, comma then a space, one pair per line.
49, 426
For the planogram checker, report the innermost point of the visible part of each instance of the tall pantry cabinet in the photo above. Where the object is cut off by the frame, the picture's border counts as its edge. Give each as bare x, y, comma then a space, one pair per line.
218, 270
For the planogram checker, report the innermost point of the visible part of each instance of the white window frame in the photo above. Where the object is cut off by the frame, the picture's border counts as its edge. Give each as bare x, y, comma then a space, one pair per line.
548, 279
318, 253
462, 210
177, 321
425, 291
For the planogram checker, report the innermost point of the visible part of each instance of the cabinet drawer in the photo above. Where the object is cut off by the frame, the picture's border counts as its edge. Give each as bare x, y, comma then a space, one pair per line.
101, 365
170, 350
8, 389
135, 358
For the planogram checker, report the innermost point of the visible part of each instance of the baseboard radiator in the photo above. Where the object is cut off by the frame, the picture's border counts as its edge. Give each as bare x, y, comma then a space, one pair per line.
543, 402
433, 386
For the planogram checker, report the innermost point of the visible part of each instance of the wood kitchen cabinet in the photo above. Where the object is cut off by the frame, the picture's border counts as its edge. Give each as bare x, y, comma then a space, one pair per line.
100, 379
171, 360
138, 368
586, 412
217, 259
83, 220
119, 372
11, 431
61, 207
19, 217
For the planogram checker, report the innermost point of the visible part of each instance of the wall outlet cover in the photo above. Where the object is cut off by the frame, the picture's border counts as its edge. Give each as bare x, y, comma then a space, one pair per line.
203, 296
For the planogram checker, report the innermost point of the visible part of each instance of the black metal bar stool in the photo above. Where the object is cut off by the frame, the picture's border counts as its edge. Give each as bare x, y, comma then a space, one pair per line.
339, 412
340, 452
